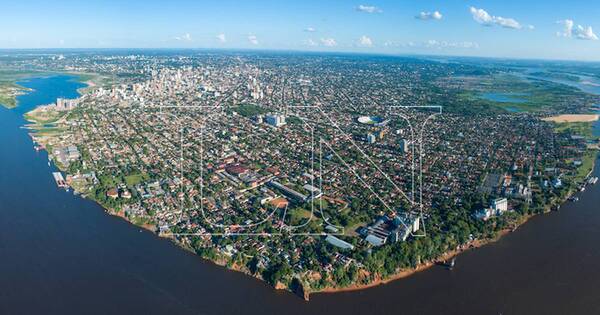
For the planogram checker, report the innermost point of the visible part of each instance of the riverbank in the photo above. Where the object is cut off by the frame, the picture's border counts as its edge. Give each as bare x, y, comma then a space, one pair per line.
572, 118
441, 260
9, 91
222, 261
91, 80
400, 274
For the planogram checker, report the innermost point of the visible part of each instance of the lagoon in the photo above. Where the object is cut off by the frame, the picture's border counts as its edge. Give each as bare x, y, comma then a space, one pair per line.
504, 97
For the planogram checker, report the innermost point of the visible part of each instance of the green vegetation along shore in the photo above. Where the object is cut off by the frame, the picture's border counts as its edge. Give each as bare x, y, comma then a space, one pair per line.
523, 95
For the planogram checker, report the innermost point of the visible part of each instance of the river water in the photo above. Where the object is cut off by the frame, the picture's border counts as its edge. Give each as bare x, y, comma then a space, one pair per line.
61, 254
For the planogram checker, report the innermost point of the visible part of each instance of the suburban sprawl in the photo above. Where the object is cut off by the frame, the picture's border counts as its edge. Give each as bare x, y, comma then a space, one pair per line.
315, 172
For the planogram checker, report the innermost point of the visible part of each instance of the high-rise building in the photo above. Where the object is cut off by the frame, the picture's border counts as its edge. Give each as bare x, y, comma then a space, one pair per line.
371, 138
276, 120
65, 104
403, 145
500, 205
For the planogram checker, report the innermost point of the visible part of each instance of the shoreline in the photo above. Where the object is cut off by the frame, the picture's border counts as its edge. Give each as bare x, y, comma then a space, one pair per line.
90, 84
450, 254
405, 273
400, 274
17, 91
21, 90
572, 118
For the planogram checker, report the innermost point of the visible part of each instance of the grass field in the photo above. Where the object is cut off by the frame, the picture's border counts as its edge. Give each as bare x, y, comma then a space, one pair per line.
583, 129
134, 179
7, 100
587, 164
43, 117
8, 92
47, 131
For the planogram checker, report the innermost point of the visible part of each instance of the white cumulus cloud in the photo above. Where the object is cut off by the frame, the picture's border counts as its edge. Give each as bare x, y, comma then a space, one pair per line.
482, 17
368, 9
252, 39
579, 32
310, 29
310, 42
507, 22
365, 41
329, 42
221, 38
185, 37
435, 15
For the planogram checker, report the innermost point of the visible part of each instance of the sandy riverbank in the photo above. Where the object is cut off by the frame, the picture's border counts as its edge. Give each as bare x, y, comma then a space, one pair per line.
573, 118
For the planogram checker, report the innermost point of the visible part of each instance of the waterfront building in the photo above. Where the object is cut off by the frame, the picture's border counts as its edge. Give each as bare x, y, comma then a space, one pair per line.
498, 207
113, 193
557, 183
395, 229
126, 194
404, 224
65, 104
500, 204
401, 233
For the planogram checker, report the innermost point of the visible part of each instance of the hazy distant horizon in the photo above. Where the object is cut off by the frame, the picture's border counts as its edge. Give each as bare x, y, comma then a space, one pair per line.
55, 50
534, 29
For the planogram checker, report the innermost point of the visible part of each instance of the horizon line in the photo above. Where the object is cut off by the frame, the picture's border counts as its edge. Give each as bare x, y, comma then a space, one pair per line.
390, 54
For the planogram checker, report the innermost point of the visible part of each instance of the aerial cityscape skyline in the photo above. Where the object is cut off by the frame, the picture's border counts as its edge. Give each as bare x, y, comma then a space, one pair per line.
307, 157
511, 29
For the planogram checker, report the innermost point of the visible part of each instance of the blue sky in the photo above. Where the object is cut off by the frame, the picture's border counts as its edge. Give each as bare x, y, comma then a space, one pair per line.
546, 29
